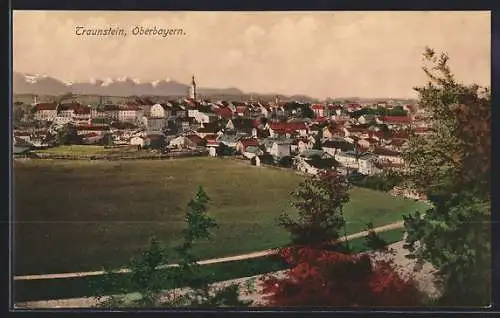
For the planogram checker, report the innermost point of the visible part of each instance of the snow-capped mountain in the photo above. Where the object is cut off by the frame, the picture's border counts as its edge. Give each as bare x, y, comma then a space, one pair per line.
123, 86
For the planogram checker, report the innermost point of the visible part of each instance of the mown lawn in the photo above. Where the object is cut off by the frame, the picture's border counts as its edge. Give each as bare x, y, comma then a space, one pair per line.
76, 150
78, 215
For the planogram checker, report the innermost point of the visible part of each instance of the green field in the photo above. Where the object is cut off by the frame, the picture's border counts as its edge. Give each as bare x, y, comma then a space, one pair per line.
75, 150
78, 215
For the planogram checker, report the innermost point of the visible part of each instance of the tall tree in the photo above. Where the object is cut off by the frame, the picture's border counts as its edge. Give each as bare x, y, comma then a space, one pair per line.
68, 135
318, 200
452, 166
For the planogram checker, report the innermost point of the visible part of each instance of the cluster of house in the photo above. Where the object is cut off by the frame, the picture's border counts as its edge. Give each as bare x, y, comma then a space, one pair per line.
332, 139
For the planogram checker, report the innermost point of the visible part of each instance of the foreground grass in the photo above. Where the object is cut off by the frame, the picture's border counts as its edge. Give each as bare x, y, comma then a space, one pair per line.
83, 287
79, 215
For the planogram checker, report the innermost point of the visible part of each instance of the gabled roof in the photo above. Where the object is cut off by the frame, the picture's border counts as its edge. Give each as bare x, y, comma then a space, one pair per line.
287, 127
195, 139
46, 106
338, 144
386, 152
317, 106
396, 119
253, 149
246, 142
224, 112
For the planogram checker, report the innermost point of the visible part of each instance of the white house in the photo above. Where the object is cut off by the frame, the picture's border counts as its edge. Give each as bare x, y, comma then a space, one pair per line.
139, 141
45, 111
388, 155
192, 112
280, 149
157, 111
367, 165
129, 114
204, 118
252, 151
347, 159
62, 120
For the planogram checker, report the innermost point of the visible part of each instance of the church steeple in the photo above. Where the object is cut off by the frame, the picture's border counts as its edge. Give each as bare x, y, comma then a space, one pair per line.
192, 89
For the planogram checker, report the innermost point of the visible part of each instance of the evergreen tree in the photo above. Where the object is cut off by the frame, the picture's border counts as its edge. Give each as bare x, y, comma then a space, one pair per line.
319, 200
452, 166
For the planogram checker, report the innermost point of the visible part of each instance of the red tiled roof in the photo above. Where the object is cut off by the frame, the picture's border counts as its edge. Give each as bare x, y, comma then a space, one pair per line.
396, 119
317, 106
92, 134
224, 112
241, 109
287, 127
46, 106
376, 134
371, 140
71, 106
210, 138
320, 119
400, 135
194, 139
91, 127
249, 142
82, 110
353, 106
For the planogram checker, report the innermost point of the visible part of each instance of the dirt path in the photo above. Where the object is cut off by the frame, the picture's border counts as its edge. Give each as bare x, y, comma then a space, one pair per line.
424, 277
392, 226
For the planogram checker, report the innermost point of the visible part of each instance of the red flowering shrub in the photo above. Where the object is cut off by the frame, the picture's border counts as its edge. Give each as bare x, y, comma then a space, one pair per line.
326, 278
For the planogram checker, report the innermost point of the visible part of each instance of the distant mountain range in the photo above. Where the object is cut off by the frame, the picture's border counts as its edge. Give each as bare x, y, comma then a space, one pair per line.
46, 85
35, 84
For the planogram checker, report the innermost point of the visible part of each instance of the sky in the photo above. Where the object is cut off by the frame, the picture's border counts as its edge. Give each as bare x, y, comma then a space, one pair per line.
321, 54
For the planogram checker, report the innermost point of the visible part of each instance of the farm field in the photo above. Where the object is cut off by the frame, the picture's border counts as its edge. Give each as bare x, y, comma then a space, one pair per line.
79, 215
83, 150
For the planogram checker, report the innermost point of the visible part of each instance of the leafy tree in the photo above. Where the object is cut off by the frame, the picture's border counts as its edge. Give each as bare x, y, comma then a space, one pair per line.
224, 150
68, 135
286, 162
328, 278
452, 166
373, 241
19, 113
306, 111
317, 143
319, 200
107, 140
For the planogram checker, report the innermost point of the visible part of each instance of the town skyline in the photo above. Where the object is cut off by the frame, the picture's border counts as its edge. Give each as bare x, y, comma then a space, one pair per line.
363, 54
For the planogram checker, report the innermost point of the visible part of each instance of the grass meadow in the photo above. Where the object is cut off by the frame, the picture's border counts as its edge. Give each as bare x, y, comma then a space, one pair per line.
79, 215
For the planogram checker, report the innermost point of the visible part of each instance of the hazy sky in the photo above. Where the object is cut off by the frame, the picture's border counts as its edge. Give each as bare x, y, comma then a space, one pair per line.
368, 54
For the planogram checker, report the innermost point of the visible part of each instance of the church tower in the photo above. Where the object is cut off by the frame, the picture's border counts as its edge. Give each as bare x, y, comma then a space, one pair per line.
192, 89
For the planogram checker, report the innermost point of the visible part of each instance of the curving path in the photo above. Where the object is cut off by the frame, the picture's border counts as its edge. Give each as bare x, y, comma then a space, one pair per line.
392, 226
424, 278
